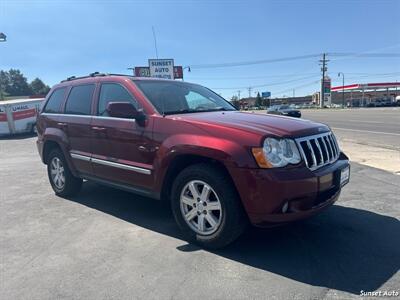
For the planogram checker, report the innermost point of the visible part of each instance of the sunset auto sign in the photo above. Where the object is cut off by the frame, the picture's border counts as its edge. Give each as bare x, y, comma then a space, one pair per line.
145, 72
162, 68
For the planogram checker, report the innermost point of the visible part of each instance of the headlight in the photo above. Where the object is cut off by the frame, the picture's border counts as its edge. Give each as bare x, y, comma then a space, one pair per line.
277, 153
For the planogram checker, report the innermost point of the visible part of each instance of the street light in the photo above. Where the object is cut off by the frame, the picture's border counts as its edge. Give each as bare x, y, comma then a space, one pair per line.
341, 73
183, 69
3, 37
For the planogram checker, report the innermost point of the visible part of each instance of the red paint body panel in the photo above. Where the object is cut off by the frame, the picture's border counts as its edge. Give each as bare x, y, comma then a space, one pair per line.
227, 137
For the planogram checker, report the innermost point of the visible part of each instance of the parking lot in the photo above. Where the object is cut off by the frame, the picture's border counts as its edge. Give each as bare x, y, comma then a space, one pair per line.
109, 244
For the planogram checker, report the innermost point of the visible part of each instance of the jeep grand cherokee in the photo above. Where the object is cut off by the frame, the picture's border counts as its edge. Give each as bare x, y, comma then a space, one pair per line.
180, 142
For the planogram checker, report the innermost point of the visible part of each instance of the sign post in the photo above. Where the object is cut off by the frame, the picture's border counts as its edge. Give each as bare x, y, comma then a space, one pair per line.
326, 98
161, 68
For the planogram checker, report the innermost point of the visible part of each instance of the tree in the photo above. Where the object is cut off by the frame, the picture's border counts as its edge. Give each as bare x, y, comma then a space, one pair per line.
38, 87
258, 100
267, 102
4, 83
14, 83
18, 84
235, 101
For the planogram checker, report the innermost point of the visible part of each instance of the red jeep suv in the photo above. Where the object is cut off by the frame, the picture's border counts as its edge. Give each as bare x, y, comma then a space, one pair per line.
219, 168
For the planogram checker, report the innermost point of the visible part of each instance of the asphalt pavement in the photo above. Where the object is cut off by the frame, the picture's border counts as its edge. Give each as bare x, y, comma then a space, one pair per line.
109, 244
370, 126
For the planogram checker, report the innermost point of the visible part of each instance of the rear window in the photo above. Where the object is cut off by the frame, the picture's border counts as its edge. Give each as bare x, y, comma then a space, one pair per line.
80, 100
55, 100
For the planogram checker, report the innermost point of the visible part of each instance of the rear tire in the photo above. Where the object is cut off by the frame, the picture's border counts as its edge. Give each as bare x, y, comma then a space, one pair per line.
61, 179
207, 207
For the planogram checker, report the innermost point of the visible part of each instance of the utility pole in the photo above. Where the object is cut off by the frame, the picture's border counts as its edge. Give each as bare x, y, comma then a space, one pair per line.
238, 94
250, 88
341, 73
323, 69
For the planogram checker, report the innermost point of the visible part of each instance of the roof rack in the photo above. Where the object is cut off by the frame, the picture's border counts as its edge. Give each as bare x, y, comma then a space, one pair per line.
94, 74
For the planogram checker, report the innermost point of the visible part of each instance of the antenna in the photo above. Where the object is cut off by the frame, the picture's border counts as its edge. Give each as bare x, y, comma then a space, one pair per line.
155, 41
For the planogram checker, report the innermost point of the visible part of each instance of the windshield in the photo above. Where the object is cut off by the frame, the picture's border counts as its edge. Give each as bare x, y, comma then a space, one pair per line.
173, 97
284, 107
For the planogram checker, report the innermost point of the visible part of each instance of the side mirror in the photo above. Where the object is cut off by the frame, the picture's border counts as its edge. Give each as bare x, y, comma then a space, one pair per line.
125, 110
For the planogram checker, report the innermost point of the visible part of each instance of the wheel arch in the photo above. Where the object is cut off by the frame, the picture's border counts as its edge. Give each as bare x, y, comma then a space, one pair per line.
182, 161
51, 144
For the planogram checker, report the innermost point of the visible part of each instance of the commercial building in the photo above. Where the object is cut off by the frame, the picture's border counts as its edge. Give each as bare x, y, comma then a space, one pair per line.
353, 95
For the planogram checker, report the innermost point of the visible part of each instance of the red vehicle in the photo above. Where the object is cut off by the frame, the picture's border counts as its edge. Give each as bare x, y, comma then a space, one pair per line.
181, 142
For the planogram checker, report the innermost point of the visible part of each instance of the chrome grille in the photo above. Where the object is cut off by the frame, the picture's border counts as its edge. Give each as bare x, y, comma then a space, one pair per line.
318, 150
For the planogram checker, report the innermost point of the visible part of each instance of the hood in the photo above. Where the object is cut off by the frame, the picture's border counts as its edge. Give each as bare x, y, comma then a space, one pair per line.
262, 124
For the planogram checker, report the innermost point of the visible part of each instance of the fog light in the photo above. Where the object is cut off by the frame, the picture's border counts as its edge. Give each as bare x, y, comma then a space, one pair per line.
285, 207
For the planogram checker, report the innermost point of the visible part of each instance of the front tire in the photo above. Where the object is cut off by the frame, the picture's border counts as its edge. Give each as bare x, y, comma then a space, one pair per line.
207, 207
61, 179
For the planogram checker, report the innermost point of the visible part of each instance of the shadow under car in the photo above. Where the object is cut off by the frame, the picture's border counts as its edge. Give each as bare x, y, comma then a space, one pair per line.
343, 248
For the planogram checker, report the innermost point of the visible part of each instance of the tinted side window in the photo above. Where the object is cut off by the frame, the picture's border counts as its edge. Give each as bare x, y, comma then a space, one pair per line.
112, 92
54, 103
80, 100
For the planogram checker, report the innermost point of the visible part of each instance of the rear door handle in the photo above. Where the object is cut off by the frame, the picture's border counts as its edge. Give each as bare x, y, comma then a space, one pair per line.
100, 129
61, 124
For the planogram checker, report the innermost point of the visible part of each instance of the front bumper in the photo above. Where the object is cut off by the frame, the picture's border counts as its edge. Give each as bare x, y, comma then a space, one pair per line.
266, 192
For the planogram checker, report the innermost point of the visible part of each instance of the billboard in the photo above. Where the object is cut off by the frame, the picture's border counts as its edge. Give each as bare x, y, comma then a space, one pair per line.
265, 94
142, 71
178, 72
162, 68
145, 72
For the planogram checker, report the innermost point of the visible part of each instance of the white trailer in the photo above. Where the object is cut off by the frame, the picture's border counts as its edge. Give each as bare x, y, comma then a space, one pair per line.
19, 115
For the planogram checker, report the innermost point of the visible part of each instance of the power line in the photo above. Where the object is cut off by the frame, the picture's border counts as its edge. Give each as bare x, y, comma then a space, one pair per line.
254, 77
373, 74
254, 62
356, 55
296, 87
285, 76
264, 85
381, 76
292, 58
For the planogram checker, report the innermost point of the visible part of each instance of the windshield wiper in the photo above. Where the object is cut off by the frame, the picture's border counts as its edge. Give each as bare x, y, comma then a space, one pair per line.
220, 109
181, 111
187, 111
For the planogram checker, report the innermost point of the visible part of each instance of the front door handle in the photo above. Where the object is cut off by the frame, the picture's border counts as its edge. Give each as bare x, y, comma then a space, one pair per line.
62, 125
100, 129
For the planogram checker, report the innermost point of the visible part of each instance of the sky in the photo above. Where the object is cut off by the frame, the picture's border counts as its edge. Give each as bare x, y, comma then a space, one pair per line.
53, 40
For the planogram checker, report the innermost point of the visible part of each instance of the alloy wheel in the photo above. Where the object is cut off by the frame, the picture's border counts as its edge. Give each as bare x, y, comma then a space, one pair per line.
201, 207
57, 173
